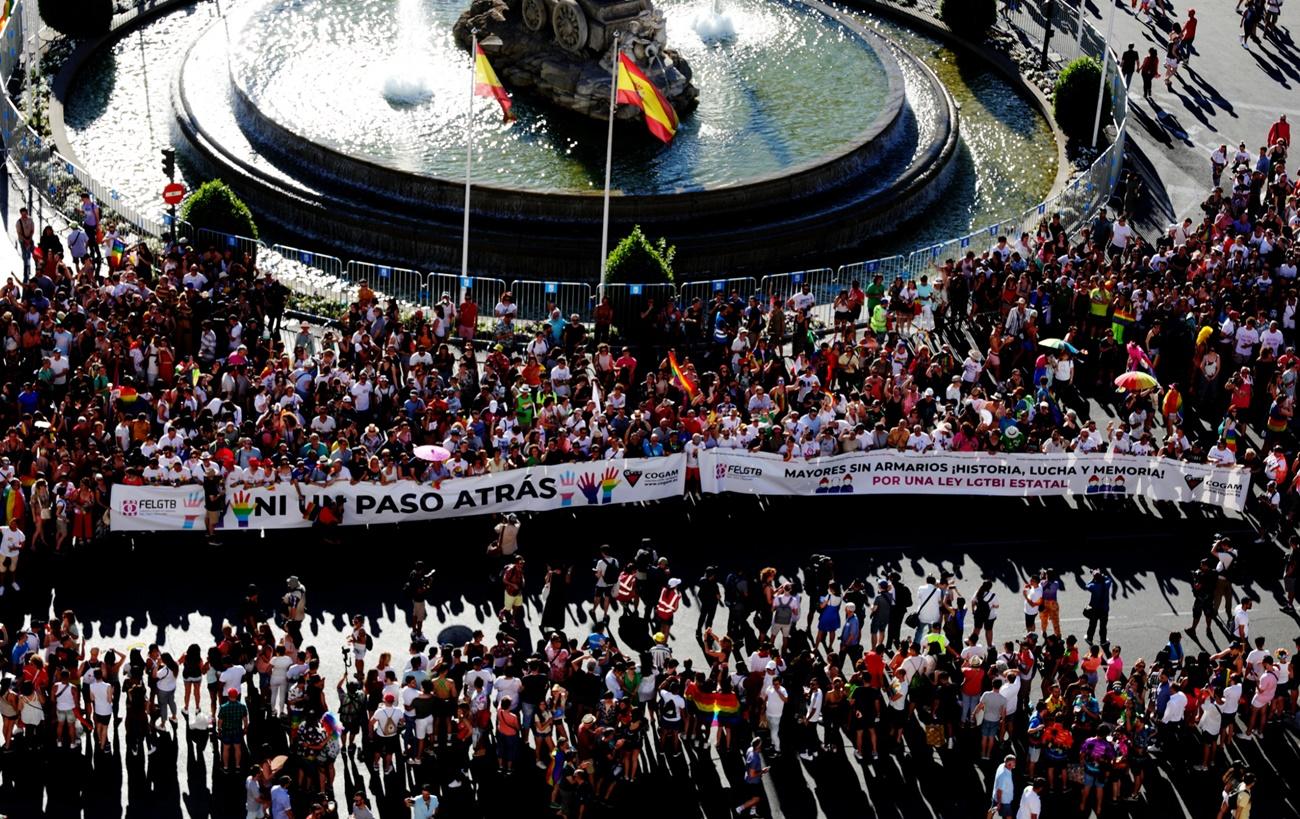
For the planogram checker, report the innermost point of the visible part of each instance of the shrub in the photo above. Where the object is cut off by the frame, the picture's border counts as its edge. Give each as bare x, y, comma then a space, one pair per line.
969, 18
215, 206
637, 260
1075, 98
77, 18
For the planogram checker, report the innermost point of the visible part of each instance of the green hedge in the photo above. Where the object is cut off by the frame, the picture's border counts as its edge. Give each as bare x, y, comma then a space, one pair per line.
969, 18
215, 206
1075, 98
637, 260
77, 18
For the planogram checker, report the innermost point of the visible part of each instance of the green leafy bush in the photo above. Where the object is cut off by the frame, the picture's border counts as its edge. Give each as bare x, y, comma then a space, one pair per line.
77, 18
637, 260
969, 18
1075, 98
215, 206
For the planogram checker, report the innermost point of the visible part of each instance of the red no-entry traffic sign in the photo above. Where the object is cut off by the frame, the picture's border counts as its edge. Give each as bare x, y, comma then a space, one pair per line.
173, 193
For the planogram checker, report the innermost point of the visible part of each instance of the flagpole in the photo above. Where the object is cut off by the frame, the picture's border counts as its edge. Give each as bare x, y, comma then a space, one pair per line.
469, 153
609, 158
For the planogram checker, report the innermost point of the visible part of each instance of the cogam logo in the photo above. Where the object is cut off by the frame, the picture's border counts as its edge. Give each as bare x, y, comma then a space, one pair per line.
631, 476
1193, 481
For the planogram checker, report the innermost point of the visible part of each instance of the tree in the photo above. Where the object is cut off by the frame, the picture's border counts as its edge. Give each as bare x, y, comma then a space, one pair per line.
1074, 101
77, 18
969, 18
637, 260
214, 206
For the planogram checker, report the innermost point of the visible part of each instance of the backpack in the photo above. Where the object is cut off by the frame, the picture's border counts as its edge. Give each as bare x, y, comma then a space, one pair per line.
370, 642
626, 592
611, 571
783, 614
668, 711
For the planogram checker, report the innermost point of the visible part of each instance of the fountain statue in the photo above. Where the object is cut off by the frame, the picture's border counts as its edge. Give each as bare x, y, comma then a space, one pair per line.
562, 50
406, 77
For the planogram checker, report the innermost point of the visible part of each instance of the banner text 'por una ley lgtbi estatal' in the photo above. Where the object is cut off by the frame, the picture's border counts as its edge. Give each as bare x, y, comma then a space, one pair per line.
600, 483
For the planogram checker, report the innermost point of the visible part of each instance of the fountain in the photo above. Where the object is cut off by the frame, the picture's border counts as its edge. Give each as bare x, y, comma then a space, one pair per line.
713, 24
810, 132
406, 78
562, 50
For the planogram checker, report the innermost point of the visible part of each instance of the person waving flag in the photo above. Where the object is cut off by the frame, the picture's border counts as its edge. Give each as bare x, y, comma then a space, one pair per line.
635, 88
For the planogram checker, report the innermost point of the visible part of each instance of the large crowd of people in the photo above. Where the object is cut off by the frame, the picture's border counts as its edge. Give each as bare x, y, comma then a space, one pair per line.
810, 664
178, 368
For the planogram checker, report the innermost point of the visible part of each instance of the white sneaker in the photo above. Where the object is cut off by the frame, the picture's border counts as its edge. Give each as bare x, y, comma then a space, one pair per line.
807, 757
16, 586
2, 591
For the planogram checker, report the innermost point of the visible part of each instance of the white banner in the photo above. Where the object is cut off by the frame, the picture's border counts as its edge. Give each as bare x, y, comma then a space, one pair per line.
537, 489
974, 473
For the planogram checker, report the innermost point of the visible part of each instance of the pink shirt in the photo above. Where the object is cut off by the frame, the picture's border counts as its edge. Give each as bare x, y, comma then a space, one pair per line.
1267, 688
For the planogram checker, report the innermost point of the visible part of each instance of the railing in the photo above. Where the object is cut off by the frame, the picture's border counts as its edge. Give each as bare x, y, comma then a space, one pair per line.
54, 185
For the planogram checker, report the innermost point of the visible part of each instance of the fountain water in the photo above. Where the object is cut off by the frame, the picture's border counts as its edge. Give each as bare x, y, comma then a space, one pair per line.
714, 25
406, 78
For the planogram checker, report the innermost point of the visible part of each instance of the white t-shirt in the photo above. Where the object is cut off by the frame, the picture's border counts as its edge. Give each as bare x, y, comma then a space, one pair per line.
101, 695
1030, 805
165, 679
1176, 708
1211, 718
1241, 623
232, 677
1231, 698
11, 542
1033, 598
280, 668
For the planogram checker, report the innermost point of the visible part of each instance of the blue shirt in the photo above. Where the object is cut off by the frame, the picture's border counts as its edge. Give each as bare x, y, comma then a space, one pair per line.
280, 803
851, 634
1099, 593
422, 810
1005, 782
753, 766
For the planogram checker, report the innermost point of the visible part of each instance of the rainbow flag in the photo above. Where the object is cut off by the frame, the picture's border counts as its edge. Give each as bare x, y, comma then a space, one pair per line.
635, 88
486, 83
681, 378
15, 504
116, 254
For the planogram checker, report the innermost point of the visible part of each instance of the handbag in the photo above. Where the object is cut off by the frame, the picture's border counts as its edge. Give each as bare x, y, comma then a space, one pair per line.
913, 618
1074, 773
1089, 612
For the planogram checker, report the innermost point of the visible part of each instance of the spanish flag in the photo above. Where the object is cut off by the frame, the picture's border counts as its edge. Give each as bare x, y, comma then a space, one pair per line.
635, 88
486, 83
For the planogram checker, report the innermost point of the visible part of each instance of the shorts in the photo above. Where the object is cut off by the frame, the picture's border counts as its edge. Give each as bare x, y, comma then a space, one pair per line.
65, 717
9, 564
423, 727
191, 680
1094, 780
1004, 809
103, 719
359, 653
388, 745
1035, 751
513, 601
989, 728
605, 592
1208, 738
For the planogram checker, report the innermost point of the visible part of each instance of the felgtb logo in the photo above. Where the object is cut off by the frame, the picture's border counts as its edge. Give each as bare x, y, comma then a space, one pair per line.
130, 508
